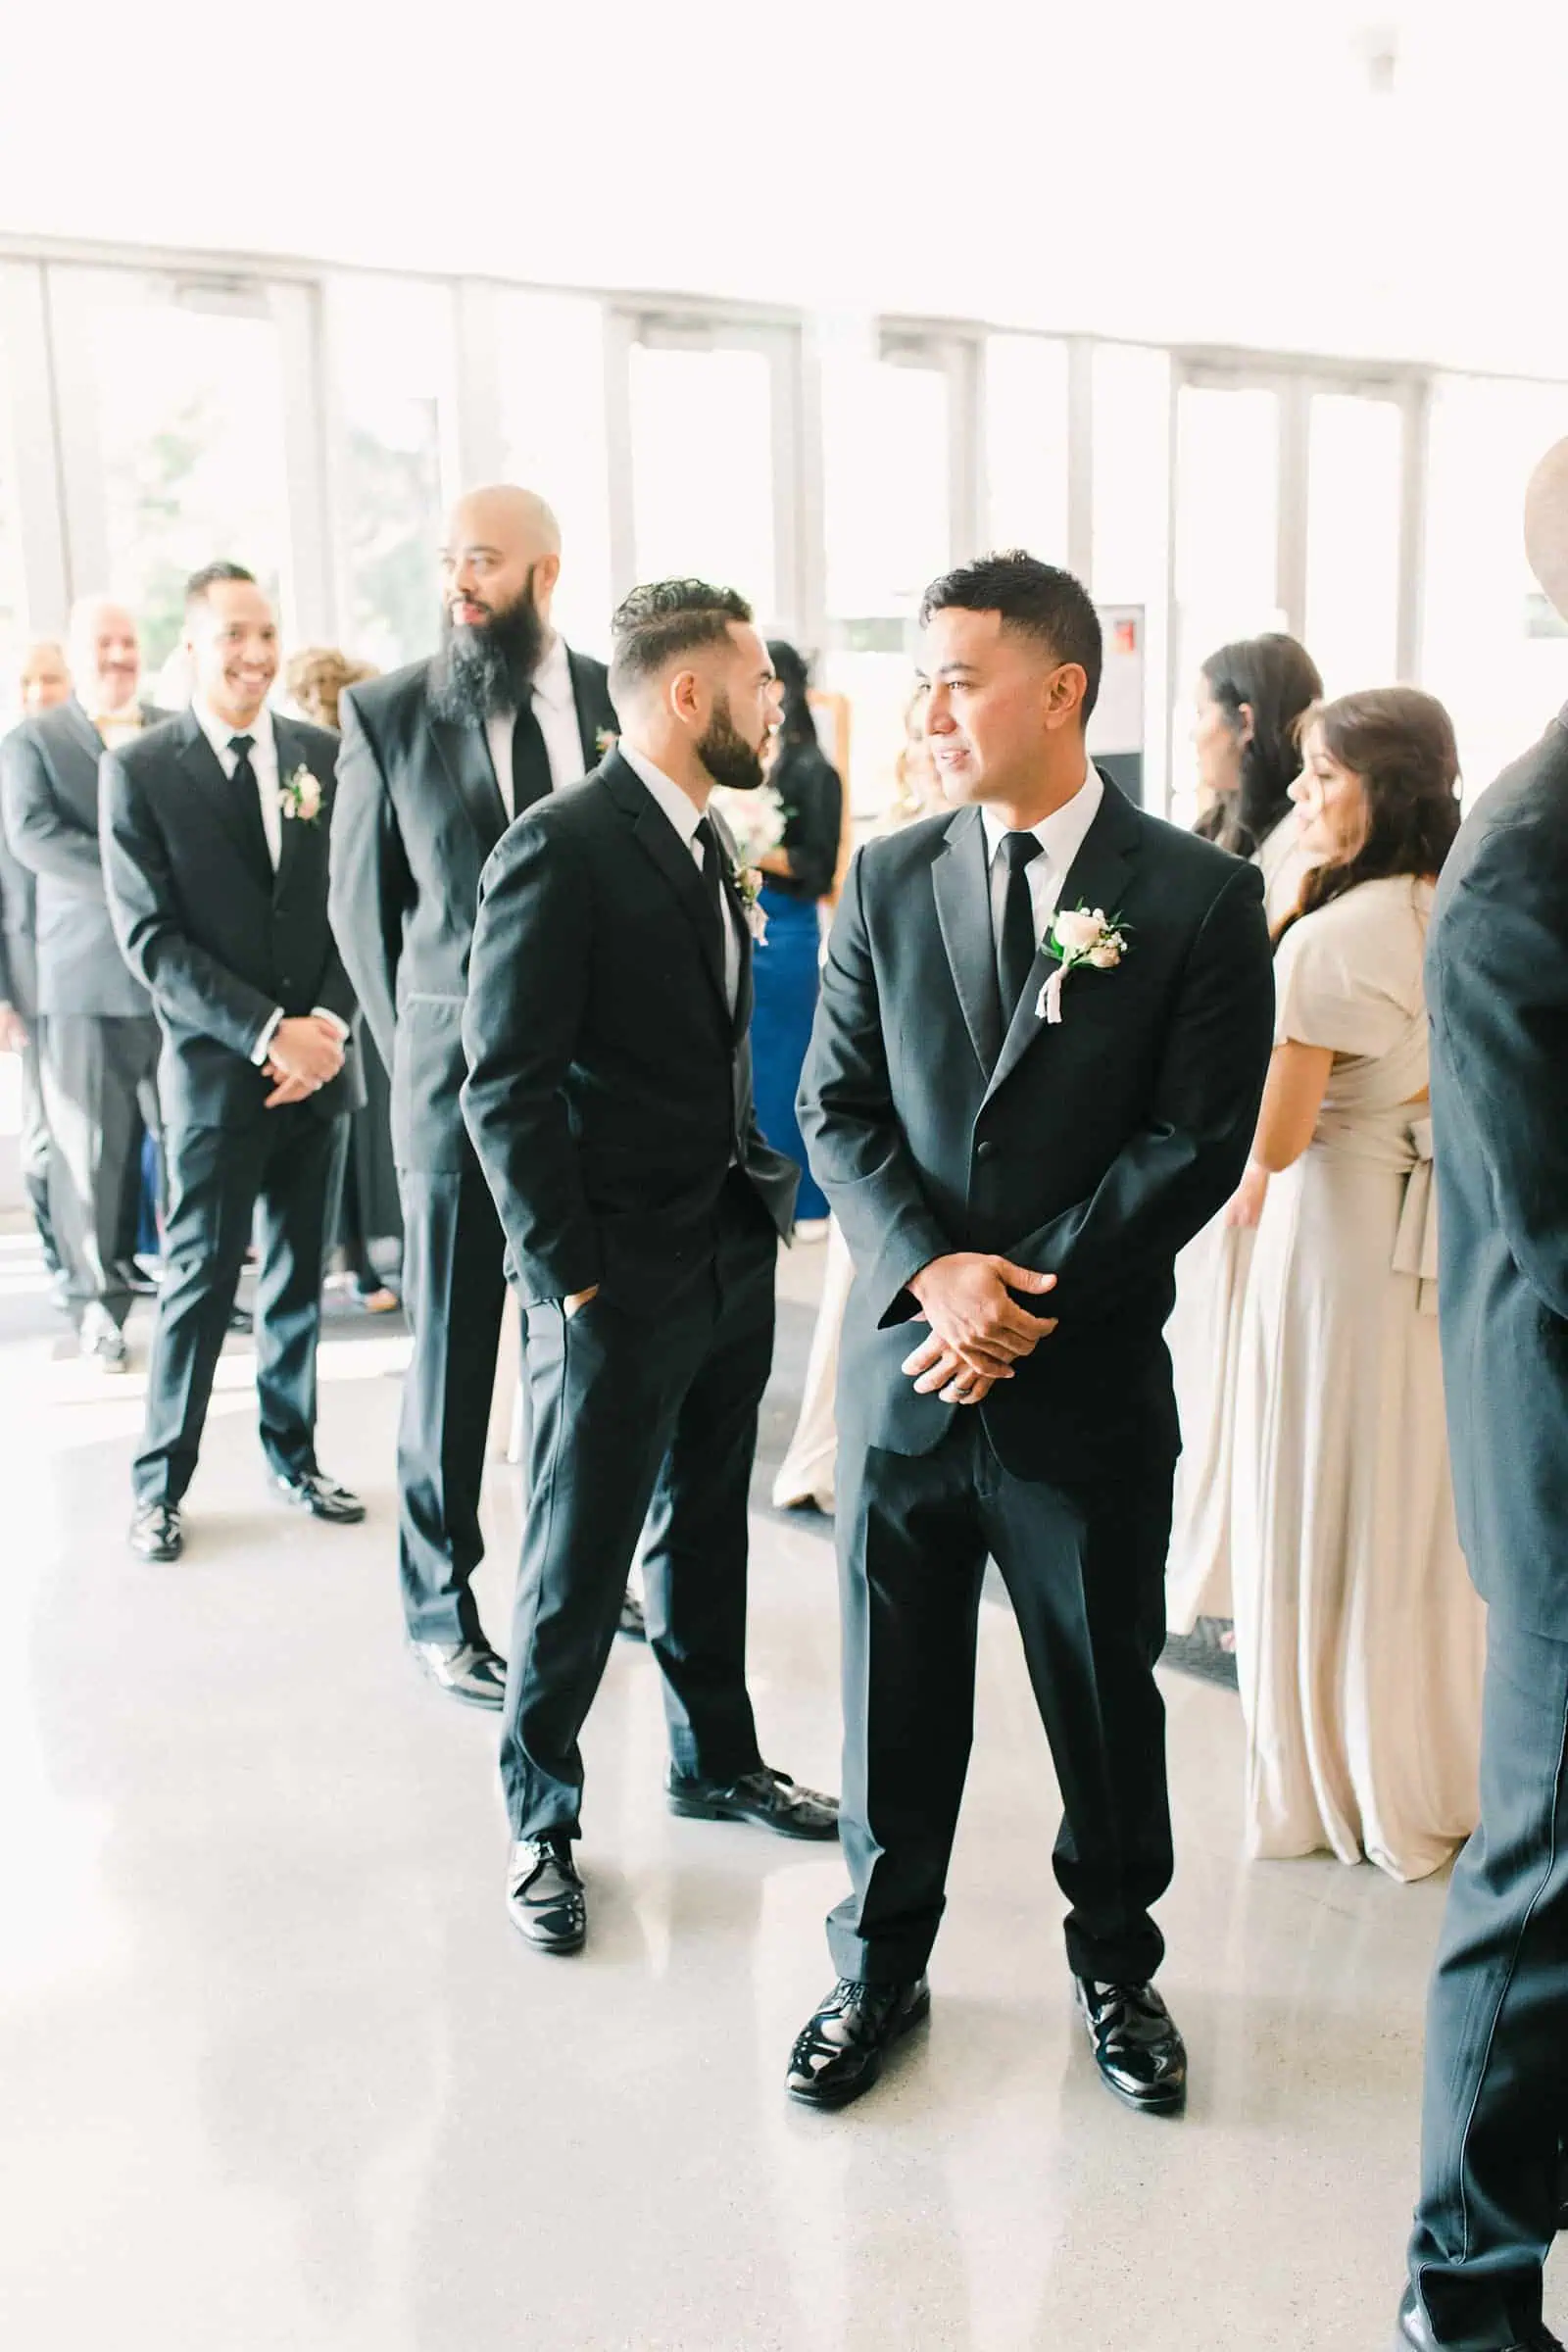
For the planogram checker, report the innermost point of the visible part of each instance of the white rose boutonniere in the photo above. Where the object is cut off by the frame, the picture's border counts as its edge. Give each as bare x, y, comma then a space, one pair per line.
748, 881
1086, 936
300, 796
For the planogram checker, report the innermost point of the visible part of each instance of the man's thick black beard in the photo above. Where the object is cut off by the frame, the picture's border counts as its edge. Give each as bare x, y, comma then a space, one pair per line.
727, 755
488, 669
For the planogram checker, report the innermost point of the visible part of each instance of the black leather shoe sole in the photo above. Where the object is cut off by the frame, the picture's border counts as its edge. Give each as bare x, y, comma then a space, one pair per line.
845, 2093
715, 1808
558, 1944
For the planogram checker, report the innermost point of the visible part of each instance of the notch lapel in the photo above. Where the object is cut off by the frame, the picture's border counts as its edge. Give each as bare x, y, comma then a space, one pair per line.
658, 840
202, 762
587, 714
962, 882
1097, 878
291, 829
464, 753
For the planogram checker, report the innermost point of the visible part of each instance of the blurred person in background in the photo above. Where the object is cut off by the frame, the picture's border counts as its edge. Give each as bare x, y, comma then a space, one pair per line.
214, 834
437, 761
1360, 1641
1249, 700
370, 1215
806, 1475
798, 879
97, 1037
43, 683
1498, 2022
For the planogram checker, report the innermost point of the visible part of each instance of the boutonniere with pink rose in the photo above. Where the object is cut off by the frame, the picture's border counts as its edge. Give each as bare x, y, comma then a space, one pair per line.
1087, 939
748, 881
300, 796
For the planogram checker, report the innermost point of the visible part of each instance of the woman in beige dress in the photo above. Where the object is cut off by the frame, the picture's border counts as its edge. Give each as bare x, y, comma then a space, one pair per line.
1249, 698
806, 1476
1359, 1638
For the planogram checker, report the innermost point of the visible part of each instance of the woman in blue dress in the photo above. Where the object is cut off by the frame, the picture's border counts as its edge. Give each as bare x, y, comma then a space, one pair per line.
799, 874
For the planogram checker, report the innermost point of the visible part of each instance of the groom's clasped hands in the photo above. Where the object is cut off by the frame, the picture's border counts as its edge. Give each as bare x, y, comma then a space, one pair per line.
978, 1329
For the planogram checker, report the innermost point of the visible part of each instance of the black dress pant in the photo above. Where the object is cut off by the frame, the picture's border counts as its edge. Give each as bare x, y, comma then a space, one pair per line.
1085, 1572
281, 1177
33, 1151
453, 1293
1497, 2062
635, 1418
100, 1089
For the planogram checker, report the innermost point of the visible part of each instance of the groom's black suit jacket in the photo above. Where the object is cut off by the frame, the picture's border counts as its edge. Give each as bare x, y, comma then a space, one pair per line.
219, 940
610, 1085
1093, 1151
419, 812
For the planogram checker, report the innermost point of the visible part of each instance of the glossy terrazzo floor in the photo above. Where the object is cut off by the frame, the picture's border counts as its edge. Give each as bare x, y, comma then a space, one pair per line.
279, 2076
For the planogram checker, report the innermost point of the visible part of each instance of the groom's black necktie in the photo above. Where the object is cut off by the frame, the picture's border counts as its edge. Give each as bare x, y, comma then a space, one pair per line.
1017, 940
708, 841
532, 779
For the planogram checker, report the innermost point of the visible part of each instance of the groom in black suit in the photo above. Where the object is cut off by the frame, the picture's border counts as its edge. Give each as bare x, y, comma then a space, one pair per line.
1017, 1142
215, 833
437, 761
609, 1101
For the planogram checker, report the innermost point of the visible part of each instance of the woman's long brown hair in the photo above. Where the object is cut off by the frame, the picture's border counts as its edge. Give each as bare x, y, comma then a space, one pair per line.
1400, 744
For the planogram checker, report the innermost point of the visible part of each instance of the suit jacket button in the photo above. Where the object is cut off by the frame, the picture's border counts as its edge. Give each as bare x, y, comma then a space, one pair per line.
985, 1150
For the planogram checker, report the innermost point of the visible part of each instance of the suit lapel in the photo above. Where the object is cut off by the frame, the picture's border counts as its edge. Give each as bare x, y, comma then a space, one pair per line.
658, 840
465, 756
1097, 878
86, 734
961, 879
587, 711
202, 762
292, 829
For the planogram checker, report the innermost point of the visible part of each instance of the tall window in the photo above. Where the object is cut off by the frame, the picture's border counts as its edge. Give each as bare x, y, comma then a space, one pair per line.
550, 363
391, 347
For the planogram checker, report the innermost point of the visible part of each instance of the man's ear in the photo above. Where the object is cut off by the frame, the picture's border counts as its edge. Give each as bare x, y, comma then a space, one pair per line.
686, 696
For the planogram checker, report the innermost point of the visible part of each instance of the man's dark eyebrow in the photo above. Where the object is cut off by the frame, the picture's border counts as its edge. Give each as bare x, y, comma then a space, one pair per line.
958, 669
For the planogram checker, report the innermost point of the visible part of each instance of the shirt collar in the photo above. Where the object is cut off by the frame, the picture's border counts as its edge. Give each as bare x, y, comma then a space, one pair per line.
221, 735
681, 808
1062, 834
552, 680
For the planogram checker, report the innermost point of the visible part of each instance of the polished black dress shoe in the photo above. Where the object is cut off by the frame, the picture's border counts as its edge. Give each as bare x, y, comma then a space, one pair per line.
155, 1533
470, 1670
1137, 2047
841, 2052
768, 1798
1415, 2333
545, 1896
632, 1621
135, 1278
323, 1498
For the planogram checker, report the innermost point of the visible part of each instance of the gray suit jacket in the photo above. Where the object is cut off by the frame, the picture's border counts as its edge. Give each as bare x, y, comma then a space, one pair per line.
49, 790
1498, 991
18, 963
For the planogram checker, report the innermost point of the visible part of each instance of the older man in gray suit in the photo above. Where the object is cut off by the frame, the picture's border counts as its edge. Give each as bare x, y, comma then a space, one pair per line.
1497, 2090
98, 1041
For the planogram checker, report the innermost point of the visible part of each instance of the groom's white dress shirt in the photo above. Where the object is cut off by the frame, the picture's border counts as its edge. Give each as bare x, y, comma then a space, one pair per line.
1060, 836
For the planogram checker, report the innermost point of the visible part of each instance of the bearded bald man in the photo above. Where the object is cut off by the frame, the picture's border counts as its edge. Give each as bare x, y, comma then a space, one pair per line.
437, 761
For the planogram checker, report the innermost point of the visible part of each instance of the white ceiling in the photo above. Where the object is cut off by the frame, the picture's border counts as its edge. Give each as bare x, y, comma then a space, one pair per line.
1224, 171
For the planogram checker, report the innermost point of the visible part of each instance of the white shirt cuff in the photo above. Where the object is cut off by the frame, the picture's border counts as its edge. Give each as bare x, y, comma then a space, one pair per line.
323, 1014
263, 1044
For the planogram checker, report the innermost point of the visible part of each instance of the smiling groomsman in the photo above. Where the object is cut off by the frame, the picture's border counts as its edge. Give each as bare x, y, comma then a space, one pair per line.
214, 834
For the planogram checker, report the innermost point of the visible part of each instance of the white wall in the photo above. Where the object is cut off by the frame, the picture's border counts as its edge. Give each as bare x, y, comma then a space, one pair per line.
1219, 171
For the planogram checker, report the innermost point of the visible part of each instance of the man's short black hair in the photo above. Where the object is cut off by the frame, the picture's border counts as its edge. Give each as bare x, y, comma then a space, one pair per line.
1037, 598
209, 577
667, 617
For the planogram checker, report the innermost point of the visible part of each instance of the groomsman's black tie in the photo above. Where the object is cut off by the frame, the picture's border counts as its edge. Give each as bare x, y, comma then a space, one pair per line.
532, 779
1017, 939
248, 798
707, 840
